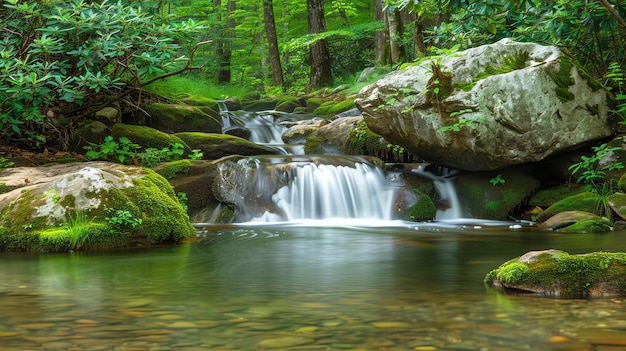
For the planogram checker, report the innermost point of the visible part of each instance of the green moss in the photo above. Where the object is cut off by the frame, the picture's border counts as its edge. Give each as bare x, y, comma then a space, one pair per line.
5, 189
331, 108
313, 144
585, 201
563, 79
509, 64
548, 196
288, 104
512, 272
423, 210
225, 215
164, 219
178, 118
172, 169
598, 225
565, 274
146, 136
313, 103
363, 141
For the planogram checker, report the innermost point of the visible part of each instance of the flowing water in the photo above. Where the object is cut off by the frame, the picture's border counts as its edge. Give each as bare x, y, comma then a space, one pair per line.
335, 274
364, 286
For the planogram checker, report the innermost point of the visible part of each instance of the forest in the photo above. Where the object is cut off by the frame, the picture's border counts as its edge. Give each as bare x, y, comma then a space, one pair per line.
61, 61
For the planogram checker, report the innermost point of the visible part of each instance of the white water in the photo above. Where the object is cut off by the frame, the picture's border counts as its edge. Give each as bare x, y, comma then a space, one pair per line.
320, 191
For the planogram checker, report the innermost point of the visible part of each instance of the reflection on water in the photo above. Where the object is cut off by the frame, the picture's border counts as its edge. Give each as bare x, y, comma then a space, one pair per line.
303, 288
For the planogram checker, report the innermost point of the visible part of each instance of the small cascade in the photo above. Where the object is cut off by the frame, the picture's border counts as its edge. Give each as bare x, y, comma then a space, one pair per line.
444, 181
322, 190
226, 115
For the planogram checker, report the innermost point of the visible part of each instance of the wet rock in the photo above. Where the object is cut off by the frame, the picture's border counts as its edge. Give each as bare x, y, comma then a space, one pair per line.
577, 221
502, 104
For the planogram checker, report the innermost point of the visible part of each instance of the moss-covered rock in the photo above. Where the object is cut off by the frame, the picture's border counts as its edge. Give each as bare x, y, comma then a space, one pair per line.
577, 222
288, 104
171, 118
147, 137
207, 105
548, 196
313, 103
422, 208
495, 201
259, 105
617, 202
89, 206
330, 108
214, 146
194, 179
585, 201
557, 273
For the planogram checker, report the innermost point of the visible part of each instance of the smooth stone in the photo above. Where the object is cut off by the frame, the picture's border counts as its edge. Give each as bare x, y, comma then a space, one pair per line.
181, 324
391, 325
287, 341
36, 326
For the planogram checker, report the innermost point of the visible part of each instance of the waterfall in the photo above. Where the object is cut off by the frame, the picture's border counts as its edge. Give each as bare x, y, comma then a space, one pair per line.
444, 182
324, 191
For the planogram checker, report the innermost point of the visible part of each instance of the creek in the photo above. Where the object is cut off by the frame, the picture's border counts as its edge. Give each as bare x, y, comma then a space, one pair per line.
340, 277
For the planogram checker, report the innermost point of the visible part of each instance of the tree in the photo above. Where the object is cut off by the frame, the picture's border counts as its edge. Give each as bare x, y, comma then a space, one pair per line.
224, 42
320, 74
272, 42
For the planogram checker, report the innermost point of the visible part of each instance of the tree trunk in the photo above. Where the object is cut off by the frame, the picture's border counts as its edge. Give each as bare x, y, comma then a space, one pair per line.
272, 43
320, 74
418, 37
394, 24
223, 71
380, 40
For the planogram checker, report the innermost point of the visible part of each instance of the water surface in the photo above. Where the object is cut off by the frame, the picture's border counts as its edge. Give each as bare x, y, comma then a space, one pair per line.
299, 287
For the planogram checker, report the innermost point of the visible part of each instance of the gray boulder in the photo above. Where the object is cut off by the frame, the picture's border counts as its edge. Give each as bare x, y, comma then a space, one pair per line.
488, 107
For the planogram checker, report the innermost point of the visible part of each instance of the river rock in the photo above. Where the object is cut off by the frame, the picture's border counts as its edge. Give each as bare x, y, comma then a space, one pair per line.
332, 138
557, 273
488, 107
47, 200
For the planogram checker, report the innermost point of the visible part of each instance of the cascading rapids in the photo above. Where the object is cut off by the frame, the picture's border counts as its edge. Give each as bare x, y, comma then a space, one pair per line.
323, 191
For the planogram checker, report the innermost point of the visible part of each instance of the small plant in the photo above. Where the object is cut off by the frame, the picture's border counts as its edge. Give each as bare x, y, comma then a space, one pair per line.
497, 180
75, 228
182, 199
152, 157
396, 150
5, 163
195, 154
590, 175
122, 220
462, 123
111, 150
617, 76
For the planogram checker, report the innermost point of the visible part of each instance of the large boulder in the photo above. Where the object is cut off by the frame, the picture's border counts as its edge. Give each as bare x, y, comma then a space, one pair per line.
88, 205
214, 146
557, 273
488, 107
171, 118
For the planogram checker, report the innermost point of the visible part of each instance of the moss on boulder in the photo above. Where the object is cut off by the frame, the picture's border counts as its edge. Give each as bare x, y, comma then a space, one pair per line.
147, 137
96, 204
577, 222
171, 118
557, 273
422, 210
330, 108
214, 146
585, 201
489, 201
288, 104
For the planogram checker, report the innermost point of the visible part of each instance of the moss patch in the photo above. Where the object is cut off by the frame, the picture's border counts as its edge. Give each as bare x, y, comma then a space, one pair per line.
562, 274
331, 108
510, 63
585, 201
147, 137
180, 118
423, 210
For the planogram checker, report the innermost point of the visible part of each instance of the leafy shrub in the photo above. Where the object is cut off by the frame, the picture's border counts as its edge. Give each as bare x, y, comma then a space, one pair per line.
61, 61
